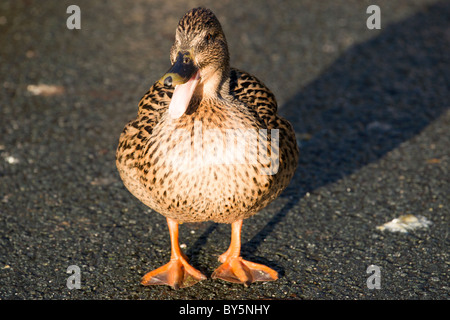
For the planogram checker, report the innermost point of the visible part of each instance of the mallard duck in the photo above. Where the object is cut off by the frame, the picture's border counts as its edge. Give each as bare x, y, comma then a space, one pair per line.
207, 145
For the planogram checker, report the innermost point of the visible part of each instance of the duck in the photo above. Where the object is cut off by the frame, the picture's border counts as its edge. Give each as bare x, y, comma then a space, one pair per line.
207, 145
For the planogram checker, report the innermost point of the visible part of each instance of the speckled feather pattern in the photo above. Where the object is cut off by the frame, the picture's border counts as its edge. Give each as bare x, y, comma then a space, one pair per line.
187, 189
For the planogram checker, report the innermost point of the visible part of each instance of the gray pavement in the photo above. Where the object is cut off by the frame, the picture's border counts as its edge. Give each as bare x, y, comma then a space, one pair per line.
370, 108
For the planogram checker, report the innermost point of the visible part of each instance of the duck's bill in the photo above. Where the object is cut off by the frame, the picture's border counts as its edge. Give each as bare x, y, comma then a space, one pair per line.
182, 96
181, 71
184, 76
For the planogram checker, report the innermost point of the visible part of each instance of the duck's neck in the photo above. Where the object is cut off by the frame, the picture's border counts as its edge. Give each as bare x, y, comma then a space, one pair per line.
215, 85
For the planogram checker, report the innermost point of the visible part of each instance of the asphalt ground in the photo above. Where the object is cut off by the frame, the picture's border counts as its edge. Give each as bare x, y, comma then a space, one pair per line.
370, 109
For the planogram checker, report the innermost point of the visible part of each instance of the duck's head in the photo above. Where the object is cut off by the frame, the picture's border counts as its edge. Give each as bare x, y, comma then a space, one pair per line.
200, 59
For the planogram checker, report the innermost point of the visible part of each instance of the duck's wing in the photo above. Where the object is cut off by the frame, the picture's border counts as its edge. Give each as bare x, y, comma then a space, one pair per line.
153, 104
254, 94
135, 134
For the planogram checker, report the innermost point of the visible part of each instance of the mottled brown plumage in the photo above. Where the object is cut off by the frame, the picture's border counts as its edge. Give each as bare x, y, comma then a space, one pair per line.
176, 166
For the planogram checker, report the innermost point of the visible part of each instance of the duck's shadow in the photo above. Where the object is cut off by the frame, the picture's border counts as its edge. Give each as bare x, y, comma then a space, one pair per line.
375, 96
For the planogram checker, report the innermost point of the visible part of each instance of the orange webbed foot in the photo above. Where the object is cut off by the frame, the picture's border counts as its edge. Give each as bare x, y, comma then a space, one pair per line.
178, 273
238, 270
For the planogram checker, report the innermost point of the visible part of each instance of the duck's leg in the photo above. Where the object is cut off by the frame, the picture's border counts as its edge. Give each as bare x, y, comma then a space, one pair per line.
178, 273
235, 269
